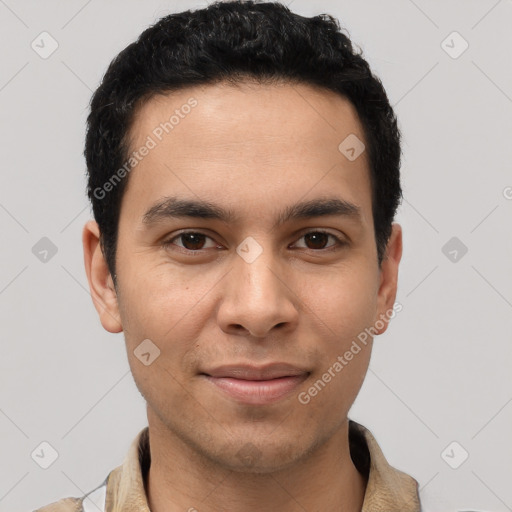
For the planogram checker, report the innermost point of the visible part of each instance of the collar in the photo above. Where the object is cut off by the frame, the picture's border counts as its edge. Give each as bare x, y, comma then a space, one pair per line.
387, 487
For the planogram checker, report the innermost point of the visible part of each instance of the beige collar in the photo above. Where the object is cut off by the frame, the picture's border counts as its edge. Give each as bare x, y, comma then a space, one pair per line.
387, 488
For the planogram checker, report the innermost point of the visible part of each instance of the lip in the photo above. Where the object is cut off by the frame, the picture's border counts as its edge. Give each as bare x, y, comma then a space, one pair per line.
251, 372
256, 385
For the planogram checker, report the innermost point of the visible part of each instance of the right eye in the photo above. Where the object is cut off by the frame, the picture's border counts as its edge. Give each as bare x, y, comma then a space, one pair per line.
192, 241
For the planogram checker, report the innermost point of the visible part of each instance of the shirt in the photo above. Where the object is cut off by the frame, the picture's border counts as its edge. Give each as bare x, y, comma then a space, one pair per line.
388, 489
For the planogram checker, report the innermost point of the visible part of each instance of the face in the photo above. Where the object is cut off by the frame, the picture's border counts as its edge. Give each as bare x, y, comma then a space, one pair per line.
251, 303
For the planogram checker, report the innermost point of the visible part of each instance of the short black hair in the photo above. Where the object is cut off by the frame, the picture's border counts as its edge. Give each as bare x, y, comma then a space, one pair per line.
231, 41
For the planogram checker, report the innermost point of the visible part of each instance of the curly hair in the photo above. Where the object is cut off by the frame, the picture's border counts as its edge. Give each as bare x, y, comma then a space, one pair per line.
231, 41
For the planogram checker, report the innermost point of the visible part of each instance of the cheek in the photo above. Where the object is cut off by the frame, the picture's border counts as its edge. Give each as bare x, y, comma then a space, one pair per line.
332, 390
340, 308
167, 310
157, 301
345, 302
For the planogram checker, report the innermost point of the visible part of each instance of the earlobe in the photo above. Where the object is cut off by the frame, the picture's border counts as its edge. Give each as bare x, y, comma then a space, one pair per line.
101, 285
389, 279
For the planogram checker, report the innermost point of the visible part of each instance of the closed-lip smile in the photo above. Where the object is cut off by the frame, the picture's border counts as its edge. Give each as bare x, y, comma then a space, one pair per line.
256, 385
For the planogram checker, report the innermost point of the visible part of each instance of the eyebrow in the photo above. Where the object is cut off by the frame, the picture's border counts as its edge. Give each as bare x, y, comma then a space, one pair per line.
173, 207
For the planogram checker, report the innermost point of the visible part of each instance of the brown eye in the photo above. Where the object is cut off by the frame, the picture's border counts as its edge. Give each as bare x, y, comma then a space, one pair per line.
317, 240
190, 241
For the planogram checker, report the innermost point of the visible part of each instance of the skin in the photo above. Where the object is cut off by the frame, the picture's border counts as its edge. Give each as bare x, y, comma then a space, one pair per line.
254, 149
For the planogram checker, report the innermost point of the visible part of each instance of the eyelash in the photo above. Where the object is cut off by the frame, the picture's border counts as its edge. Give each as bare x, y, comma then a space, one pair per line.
339, 243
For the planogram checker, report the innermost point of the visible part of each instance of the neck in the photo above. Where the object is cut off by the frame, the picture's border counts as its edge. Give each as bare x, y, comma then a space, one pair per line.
181, 479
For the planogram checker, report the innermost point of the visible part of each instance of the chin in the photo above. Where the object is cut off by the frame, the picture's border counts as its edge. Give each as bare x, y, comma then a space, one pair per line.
259, 457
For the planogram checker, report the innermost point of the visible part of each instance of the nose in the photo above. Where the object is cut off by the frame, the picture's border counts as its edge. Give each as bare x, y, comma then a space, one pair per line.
258, 298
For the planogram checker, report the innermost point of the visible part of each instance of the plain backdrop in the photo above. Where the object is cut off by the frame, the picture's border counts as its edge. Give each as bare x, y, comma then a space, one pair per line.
439, 388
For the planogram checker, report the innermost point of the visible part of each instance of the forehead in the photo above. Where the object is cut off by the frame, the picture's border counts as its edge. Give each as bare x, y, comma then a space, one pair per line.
242, 141
314, 115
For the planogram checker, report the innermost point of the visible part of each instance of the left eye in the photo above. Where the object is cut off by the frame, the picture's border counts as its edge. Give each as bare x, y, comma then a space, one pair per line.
319, 238
194, 241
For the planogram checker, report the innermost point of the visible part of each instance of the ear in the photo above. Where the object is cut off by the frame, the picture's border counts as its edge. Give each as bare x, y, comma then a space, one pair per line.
389, 277
101, 284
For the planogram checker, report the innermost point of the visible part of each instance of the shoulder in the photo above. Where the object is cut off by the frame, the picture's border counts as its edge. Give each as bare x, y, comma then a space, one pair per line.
93, 501
63, 505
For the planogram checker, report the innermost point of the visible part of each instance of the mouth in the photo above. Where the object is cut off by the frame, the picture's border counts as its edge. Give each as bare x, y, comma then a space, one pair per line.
256, 385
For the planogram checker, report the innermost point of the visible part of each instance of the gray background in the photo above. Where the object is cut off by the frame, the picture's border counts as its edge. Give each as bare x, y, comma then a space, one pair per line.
441, 373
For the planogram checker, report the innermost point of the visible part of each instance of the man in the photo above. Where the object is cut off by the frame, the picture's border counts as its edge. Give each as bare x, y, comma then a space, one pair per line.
243, 167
